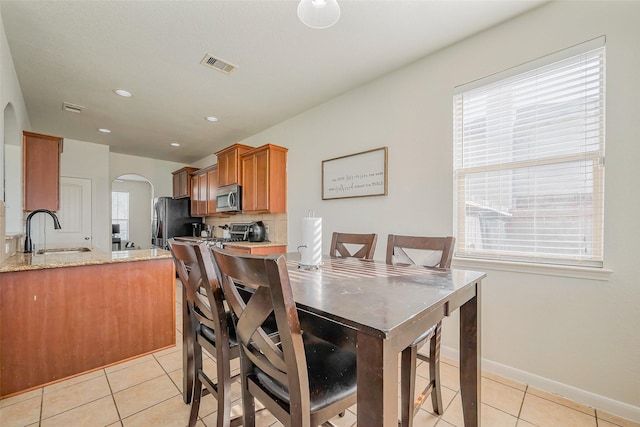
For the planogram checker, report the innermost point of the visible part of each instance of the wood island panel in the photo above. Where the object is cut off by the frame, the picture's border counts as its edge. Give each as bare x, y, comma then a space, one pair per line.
59, 322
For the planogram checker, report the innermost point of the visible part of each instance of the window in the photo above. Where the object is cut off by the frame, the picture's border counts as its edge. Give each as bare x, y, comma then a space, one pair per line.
529, 161
120, 212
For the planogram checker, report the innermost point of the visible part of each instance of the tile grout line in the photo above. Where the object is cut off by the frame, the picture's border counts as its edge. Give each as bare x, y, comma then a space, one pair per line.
113, 397
41, 405
524, 396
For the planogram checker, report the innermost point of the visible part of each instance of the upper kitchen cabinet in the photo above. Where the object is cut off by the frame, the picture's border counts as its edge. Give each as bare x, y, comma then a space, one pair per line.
182, 182
204, 186
212, 189
229, 164
41, 171
264, 179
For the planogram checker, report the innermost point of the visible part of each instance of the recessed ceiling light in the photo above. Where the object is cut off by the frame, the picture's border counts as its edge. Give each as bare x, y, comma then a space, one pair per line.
104, 130
211, 119
175, 144
122, 92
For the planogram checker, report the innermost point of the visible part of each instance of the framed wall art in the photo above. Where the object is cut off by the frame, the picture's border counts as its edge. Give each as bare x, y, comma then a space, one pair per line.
356, 175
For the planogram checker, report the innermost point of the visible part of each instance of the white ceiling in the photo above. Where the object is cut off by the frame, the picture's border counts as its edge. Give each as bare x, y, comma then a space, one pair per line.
79, 51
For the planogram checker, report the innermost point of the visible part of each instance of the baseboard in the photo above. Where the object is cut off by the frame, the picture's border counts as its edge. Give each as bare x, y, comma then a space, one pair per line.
583, 397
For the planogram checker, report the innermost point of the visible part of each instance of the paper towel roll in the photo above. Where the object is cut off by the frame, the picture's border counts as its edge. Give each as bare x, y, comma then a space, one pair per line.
311, 252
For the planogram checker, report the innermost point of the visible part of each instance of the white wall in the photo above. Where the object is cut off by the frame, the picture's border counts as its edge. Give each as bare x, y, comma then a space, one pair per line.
576, 337
11, 100
139, 211
158, 172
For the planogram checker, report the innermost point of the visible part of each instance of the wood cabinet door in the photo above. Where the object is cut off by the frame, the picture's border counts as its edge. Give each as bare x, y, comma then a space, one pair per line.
182, 185
229, 164
176, 186
202, 193
227, 169
194, 196
237, 250
41, 171
264, 174
249, 187
212, 190
261, 181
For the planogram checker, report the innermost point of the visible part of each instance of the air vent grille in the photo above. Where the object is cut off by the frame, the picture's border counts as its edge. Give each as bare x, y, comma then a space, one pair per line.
217, 64
72, 108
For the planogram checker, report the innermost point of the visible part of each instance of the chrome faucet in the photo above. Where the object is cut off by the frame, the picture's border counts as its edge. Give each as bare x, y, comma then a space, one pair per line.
28, 246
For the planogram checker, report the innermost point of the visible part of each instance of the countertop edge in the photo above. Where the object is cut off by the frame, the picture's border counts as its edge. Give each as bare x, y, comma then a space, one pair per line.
28, 262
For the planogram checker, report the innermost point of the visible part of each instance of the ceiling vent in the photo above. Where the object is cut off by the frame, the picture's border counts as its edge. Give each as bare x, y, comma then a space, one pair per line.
72, 108
217, 64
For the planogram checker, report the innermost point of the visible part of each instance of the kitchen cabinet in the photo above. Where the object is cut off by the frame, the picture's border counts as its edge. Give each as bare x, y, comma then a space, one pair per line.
229, 164
182, 182
255, 250
212, 189
41, 171
264, 179
204, 188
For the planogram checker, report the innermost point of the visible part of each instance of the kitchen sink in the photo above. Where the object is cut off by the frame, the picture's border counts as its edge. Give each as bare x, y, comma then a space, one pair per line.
53, 251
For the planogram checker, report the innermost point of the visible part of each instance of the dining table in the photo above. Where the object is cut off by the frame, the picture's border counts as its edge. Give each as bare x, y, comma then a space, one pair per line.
378, 309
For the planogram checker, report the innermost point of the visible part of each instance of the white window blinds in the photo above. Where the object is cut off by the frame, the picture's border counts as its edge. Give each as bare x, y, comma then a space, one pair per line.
529, 162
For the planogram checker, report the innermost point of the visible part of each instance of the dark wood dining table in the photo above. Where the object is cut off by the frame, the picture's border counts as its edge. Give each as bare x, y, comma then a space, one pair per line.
379, 309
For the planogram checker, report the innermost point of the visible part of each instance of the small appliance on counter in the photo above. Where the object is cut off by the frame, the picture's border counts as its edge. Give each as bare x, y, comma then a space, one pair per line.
239, 232
257, 232
197, 229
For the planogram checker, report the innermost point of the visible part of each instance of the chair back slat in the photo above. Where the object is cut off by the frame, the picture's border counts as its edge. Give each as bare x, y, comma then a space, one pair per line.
353, 245
436, 252
207, 309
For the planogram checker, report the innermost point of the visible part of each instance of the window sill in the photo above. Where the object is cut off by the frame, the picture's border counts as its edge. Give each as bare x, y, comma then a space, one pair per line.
591, 273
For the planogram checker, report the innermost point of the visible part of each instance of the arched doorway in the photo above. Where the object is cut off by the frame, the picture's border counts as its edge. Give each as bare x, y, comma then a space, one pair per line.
131, 208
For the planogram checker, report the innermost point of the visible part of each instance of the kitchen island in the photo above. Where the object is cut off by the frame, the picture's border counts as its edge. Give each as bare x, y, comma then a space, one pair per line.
65, 314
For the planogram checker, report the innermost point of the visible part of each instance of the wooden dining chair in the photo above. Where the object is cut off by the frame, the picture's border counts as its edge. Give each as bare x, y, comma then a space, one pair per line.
433, 252
211, 328
353, 245
303, 380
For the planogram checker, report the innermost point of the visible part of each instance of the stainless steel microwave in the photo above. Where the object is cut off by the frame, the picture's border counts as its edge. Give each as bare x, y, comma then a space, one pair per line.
229, 198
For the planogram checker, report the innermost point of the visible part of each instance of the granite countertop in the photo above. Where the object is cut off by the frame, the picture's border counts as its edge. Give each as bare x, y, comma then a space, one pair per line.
24, 262
240, 244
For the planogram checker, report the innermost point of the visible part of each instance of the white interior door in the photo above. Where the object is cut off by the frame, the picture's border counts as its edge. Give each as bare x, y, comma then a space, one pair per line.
74, 215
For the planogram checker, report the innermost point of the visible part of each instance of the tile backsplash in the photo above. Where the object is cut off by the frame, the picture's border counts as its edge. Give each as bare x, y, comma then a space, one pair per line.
277, 224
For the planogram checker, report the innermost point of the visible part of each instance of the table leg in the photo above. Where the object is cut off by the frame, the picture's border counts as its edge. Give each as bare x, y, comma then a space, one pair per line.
470, 359
187, 351
377, 382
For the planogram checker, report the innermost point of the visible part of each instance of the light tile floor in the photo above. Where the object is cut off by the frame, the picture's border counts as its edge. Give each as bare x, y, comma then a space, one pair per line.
147, 392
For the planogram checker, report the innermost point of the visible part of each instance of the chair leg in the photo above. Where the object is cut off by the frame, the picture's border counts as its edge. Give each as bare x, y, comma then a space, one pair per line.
197, 385
187, 351
248, 401
407, 385
434, 370
223, 390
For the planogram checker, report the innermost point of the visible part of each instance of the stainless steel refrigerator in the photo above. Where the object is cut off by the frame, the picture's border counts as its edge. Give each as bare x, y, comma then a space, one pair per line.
171, 218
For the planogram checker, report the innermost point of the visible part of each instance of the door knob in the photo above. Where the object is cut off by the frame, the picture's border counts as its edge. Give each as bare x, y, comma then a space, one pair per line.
87, 238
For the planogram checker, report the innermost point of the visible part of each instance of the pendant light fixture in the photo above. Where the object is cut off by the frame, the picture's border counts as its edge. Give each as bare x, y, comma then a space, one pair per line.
318, 14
